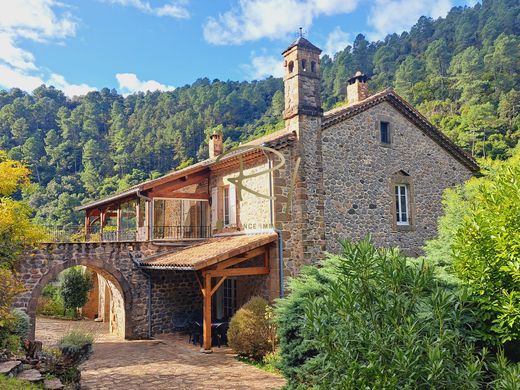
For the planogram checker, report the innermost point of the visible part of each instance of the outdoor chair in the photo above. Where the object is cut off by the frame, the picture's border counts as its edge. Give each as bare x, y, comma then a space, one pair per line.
196, 333
221, 334
181, 323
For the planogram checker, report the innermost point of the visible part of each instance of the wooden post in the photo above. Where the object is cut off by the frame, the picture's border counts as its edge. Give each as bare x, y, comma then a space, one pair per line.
118, 223
87, 221
102, 221
137, 238
207, 315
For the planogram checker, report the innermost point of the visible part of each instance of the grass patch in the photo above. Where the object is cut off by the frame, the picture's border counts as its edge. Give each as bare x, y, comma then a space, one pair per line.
17, 384
76, 339
262, 365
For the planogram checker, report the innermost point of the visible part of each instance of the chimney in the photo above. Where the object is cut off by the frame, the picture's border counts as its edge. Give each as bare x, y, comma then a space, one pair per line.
216, 146
357, 88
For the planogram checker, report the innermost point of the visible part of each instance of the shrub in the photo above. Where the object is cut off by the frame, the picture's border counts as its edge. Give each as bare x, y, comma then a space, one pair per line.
486, 251
250, 330
368, 318
76, 347
21, 323
11, 343
75, 287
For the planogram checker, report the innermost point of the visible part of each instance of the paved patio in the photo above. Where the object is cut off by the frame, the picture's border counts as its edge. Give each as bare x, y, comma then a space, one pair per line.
168, 362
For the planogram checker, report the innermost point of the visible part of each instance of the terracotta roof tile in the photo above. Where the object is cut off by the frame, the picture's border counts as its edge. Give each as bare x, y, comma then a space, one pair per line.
208, 252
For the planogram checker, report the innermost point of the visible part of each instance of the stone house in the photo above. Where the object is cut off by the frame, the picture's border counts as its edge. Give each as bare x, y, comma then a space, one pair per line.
239, 223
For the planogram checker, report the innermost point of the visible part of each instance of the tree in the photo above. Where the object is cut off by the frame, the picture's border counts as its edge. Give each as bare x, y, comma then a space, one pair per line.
75, 287
16, 228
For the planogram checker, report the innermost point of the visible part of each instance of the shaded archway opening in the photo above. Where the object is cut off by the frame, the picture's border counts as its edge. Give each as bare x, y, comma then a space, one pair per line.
109, 299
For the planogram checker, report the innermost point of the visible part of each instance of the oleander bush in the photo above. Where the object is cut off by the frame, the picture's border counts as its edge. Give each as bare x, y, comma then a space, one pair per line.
250, 330
369, 318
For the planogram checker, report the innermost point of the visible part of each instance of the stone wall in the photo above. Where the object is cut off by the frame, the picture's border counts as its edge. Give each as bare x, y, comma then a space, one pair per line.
358, 172
175, 294
111, 260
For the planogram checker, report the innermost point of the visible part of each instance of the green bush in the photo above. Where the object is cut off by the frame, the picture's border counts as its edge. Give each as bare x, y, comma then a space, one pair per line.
368, 318
250, 330
507, 374
75, 340
11, 343
486, 250
21, 323
74, 288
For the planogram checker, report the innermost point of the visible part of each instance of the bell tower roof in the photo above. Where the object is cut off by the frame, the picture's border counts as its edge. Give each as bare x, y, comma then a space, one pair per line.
303, 43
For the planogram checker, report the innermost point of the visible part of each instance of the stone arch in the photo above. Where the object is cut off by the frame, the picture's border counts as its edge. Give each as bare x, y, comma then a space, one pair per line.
104, 269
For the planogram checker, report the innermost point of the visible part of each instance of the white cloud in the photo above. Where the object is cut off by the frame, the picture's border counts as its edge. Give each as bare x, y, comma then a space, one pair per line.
129, 83
389, 16
336, 41
175, 9
39, 21
262, 66
273, 19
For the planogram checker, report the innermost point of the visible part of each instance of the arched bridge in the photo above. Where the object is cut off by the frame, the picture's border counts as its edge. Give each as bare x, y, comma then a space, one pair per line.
114, 261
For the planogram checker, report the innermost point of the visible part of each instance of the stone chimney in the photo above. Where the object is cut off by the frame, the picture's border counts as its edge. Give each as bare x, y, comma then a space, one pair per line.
357, 88
216, 145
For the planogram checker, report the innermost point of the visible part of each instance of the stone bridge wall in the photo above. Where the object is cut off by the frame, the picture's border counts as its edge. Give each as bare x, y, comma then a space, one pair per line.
111, 260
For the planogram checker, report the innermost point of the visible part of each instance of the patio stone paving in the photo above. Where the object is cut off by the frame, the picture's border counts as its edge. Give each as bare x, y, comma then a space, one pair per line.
167, 362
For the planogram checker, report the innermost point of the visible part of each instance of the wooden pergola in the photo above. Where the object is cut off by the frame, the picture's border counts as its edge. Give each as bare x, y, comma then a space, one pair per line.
217, 259
222, 271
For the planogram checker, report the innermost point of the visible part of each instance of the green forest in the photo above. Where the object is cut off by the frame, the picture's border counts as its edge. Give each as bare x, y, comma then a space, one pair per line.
461, 71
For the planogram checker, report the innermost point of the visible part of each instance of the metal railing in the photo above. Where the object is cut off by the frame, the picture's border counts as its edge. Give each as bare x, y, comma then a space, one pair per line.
112, 234
180, 232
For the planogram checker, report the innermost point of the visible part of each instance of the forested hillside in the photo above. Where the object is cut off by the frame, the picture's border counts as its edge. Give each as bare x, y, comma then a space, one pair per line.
461, 71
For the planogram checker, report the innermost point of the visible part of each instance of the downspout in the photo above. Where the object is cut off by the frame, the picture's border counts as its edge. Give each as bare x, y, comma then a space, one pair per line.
278, 231
149, 298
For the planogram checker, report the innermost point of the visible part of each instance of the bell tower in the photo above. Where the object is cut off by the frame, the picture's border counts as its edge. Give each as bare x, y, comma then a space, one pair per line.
303, 116
302, 80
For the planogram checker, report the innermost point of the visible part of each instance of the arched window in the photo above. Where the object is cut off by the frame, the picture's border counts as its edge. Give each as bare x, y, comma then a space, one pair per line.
291, 66
403, 217
304, 65
313, 67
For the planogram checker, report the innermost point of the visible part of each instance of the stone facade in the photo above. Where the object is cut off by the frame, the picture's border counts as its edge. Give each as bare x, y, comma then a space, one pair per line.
175, 294
359, 173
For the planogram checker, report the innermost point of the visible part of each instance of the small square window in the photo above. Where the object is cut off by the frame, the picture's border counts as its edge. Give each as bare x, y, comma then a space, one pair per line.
384, 130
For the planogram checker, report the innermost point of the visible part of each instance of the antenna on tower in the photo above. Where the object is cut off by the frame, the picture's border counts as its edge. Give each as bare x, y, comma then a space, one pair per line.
301, 32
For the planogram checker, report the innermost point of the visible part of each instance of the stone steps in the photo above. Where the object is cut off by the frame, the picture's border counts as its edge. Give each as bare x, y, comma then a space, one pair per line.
10, 367
15, 368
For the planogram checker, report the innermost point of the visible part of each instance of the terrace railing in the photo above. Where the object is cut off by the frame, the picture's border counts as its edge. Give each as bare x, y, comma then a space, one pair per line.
173, 233
112, 234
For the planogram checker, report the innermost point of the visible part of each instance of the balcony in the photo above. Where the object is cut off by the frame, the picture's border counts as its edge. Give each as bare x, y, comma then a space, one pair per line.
112, 234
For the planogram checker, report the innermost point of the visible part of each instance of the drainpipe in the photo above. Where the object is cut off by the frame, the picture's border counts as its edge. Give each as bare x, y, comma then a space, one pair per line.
149, 298
278, 231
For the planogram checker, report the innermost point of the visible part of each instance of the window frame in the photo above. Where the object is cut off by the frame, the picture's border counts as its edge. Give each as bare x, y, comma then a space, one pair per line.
377, 130
226, 206
399, 212
402, 178
388, 135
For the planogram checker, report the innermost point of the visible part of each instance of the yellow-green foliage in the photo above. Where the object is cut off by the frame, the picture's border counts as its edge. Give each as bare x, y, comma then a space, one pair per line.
250, 330
16, 384
16, 229
486, 249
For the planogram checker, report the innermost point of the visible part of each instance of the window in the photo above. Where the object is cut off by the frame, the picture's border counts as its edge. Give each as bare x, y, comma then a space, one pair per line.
229, 297
291, 66
313, 67
226, 205
384, 130
304, 65
401, 205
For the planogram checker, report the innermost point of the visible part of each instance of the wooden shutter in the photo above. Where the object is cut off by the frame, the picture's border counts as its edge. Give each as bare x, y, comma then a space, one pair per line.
214, 207
232, 204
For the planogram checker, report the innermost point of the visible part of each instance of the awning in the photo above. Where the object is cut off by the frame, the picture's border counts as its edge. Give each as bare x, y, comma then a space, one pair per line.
208, 252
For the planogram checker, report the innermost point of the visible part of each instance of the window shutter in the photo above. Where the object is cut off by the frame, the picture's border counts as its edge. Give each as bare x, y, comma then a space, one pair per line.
214, 207
232, 204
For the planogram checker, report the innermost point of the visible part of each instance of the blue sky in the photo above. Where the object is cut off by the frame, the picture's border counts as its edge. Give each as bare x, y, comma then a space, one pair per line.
139, 45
